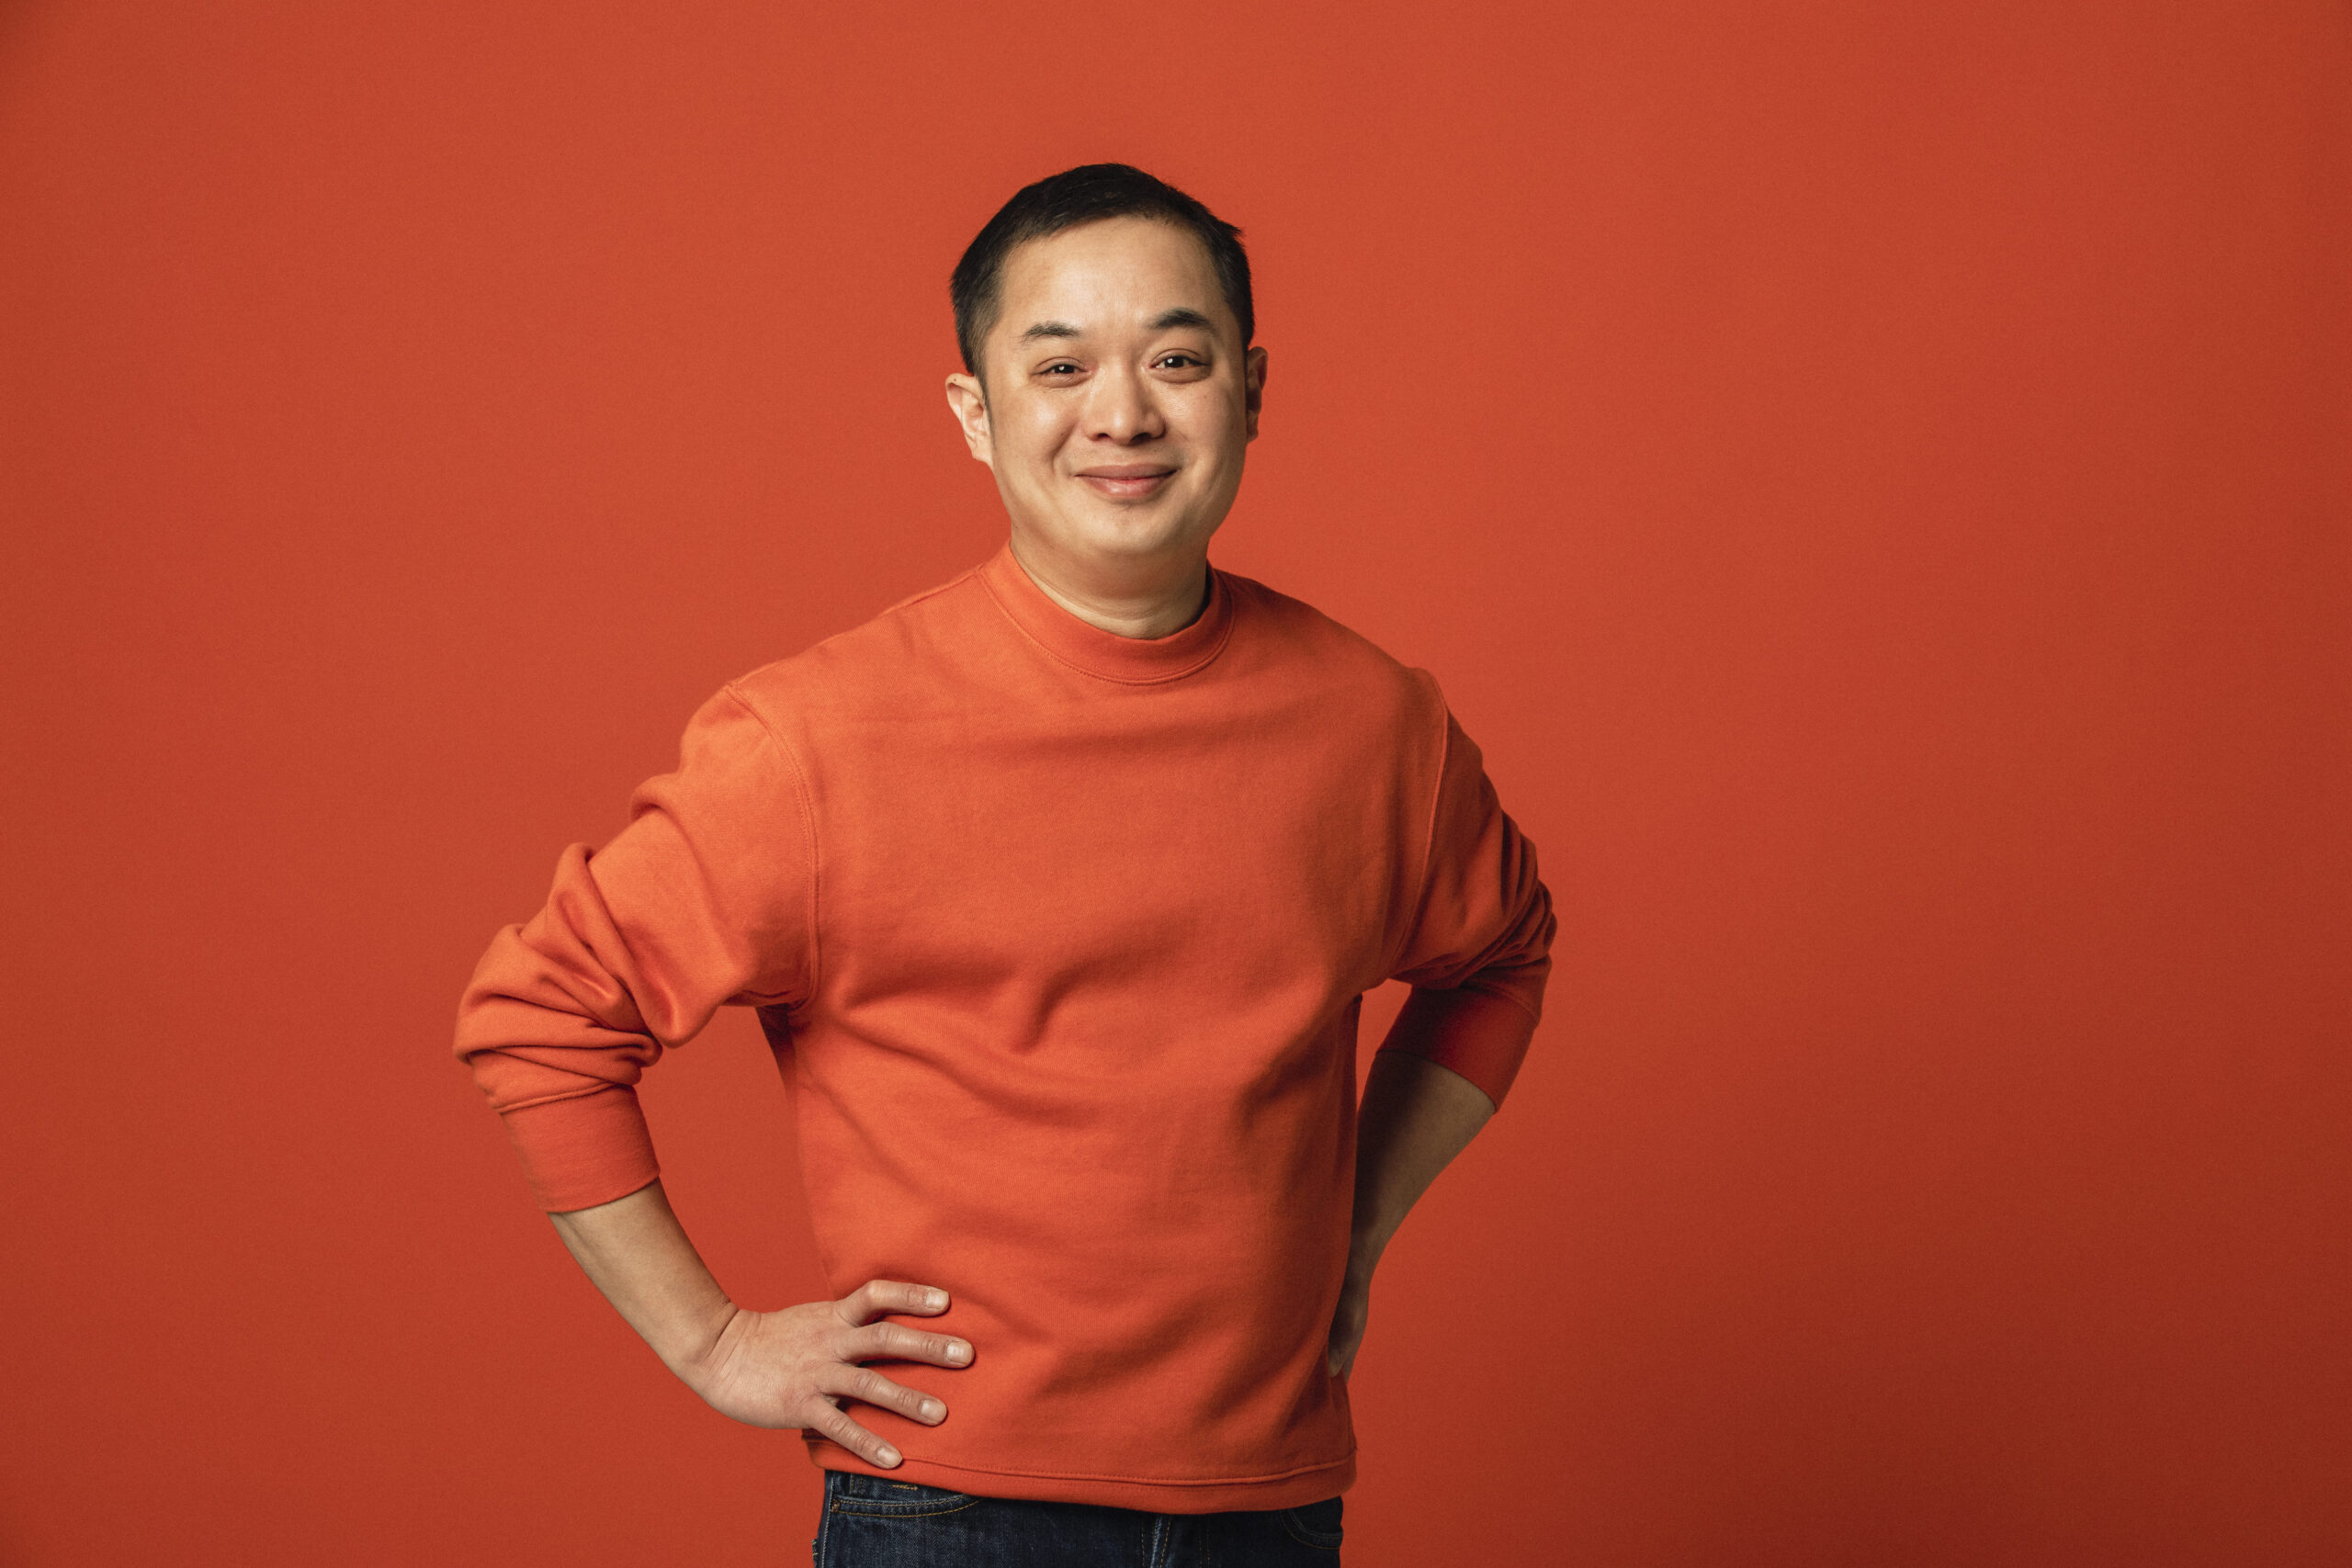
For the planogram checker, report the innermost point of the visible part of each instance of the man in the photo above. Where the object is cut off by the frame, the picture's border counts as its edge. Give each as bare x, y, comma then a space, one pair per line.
1056, 888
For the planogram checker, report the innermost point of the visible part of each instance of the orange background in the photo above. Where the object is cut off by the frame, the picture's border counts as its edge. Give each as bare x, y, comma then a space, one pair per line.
1872, 478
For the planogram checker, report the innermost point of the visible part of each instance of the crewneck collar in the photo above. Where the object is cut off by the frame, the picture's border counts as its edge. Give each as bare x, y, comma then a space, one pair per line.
1090, 650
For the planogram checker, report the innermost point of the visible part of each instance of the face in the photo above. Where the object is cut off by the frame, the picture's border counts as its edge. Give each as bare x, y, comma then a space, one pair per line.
1118, 398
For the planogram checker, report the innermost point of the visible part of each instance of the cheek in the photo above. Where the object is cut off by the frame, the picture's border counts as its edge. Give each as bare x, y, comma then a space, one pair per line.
1037, 432
1213, 427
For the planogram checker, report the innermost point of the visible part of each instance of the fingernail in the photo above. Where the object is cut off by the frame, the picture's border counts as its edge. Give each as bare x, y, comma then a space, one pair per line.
935, 1298
959, 1352
889, 1456
932, 1410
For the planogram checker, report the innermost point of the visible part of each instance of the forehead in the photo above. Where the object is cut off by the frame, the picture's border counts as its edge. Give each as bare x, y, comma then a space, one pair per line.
1113, 271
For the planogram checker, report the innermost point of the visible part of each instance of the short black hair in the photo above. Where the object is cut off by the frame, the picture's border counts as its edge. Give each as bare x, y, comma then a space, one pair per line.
1087, 195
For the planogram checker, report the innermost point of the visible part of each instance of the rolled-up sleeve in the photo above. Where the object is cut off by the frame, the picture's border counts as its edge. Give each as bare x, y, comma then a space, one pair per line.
706, 897
1477, 950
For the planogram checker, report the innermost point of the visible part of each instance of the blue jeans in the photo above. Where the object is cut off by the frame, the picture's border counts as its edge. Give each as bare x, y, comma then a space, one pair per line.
872, 1522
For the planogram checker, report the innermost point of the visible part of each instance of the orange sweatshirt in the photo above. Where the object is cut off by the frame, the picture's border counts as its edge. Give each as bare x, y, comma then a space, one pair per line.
1059, 938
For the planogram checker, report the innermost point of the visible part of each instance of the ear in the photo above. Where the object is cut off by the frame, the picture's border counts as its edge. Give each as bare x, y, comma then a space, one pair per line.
1253, 391
970, 406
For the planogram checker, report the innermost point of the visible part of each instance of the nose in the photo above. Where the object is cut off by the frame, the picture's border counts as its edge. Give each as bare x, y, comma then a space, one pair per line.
1122, 408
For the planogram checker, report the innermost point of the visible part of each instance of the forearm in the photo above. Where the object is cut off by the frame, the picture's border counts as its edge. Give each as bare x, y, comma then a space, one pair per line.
1415, 1117
639, 1256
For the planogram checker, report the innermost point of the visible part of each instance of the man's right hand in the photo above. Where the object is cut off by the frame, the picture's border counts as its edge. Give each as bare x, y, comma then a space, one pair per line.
790, 1368
771, 1368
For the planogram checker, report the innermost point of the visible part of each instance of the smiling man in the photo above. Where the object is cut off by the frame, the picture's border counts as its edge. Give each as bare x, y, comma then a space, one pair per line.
1058, 888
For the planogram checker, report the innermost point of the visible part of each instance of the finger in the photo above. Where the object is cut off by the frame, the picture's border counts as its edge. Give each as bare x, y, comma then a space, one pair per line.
896, 1341
834, 1422
866, 1383
875, 1297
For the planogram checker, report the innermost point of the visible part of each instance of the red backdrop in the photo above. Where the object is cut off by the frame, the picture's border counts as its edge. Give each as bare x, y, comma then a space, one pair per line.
1873, 478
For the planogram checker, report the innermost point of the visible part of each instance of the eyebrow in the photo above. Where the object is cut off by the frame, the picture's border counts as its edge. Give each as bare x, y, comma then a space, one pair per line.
1182, 316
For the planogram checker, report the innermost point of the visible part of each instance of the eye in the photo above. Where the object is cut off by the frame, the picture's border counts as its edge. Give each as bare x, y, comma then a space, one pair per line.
1060, 366
1178, 359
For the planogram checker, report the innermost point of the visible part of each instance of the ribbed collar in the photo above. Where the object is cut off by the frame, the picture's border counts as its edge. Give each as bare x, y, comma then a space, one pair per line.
1090, 650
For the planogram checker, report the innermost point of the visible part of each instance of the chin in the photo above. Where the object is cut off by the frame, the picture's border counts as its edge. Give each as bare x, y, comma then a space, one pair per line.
1129, 532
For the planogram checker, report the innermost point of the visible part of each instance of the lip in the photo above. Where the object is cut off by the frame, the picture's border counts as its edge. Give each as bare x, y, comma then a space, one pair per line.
1125, 482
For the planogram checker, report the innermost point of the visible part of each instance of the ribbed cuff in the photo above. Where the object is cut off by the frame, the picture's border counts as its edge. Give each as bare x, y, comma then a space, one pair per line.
1482, 1037
584, 1151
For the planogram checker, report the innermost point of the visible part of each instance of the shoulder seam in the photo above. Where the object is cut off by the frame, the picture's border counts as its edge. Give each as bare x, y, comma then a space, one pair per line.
1429, 828
809, 822
887, 610
915, 599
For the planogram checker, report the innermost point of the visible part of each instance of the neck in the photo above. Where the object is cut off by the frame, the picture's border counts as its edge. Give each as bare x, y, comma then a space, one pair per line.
1148, 598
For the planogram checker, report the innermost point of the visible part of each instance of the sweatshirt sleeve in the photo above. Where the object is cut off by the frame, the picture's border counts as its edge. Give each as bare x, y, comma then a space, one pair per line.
706, 896
1479, 951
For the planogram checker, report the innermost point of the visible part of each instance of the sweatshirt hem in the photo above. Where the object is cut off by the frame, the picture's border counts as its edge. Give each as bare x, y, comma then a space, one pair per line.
1182, 1494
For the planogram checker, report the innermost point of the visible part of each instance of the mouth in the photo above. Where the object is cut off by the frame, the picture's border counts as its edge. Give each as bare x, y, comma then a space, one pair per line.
1125, 482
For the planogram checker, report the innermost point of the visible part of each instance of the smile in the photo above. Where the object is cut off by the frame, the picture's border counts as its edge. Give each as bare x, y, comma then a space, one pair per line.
1128, 482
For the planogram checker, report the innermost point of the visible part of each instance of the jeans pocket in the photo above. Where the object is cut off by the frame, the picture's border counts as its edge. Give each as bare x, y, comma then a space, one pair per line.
1315, 1524
875, 1497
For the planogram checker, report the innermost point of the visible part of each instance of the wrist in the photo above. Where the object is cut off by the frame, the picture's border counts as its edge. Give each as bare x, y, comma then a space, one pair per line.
698, 1352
